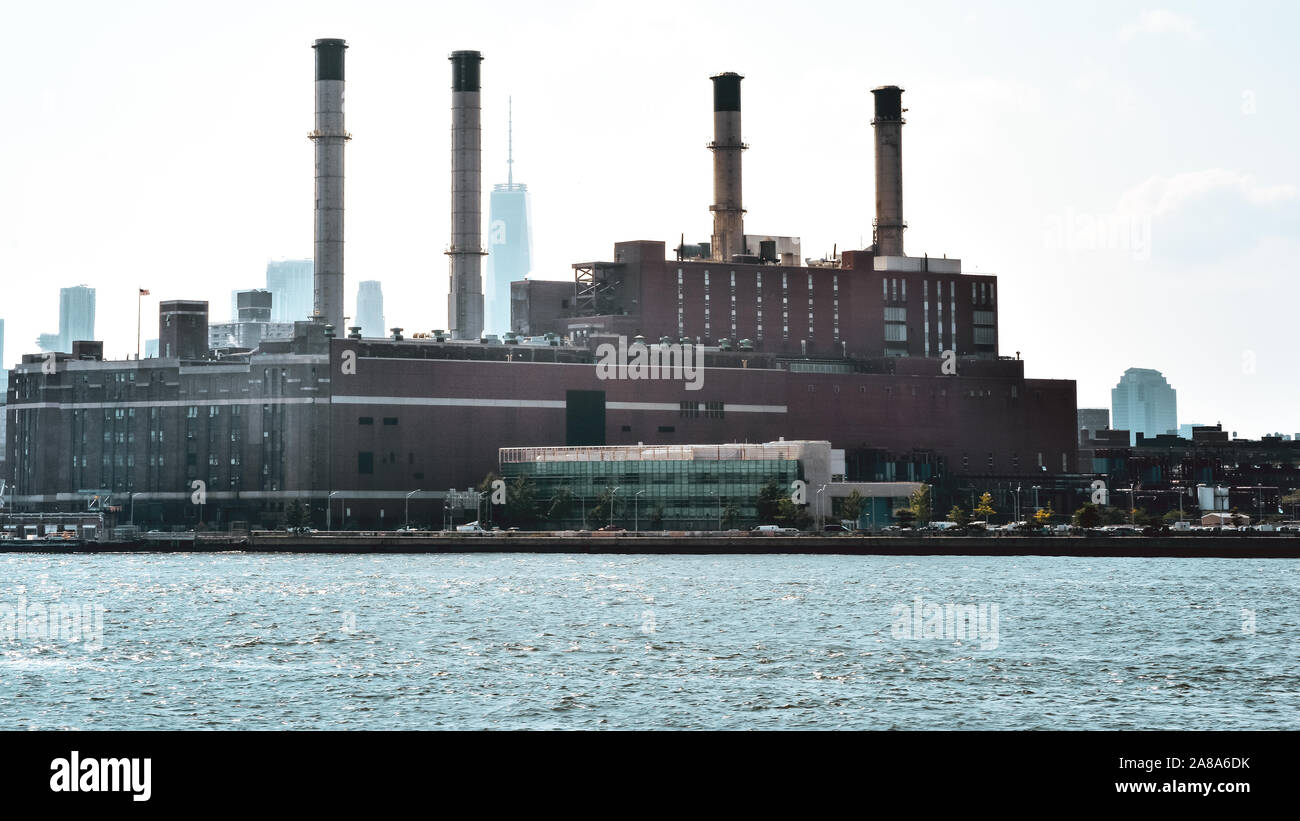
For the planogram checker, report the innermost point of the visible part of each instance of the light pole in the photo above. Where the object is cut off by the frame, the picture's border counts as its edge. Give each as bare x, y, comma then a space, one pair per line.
613, 507
329, 511
719, 498
408, 506
820, 515
133, 495
1017, 504
636, 511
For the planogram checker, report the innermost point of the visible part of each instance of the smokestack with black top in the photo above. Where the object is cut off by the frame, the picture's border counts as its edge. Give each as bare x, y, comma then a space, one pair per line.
888, 123
329, 137
728, 210
465, 301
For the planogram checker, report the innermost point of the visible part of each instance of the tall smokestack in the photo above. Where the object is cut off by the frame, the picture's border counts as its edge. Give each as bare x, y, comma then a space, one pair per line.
465, 302
728, 211
329, 138
889, 170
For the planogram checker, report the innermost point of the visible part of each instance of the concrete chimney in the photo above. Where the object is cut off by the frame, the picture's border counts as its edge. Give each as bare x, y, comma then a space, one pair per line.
465, 302
888, 123
728, 210
329, 137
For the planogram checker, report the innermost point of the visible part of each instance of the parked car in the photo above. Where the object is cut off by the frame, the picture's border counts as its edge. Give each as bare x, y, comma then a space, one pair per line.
470, 527
834, 529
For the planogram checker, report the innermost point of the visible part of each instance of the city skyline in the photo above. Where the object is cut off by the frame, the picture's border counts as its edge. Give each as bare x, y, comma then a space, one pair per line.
1085, 246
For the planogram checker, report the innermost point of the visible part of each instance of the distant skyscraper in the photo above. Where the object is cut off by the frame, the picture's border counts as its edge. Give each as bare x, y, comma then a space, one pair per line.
510, 243
151, 349
370, 308
290, 283
76, 315
1143, 402
1185, 431
4, 373
76, 320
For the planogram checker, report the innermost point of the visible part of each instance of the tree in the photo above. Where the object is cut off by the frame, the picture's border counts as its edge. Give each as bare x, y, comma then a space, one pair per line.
905, 516
984, 510
1292, 499
730, 515
769, 502
604, 511
294, 515
520, 509
958, 516
1043, 515
657, 518
851, 507
557, 510
791, 515
920, 503
1087, 516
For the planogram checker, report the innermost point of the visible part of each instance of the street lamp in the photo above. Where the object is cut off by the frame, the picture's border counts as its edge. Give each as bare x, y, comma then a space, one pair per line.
636, 511
1017, 504
408, 506
613, 507
329, 511
719, 497
133, 495
819, 507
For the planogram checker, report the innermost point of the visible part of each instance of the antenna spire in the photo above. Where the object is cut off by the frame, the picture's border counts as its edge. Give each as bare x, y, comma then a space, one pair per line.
510, 141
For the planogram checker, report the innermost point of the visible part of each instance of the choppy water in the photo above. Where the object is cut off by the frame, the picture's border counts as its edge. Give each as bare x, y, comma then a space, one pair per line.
545, 641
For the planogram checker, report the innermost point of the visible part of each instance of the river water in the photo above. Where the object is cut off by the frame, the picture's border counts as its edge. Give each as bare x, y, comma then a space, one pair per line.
264, 641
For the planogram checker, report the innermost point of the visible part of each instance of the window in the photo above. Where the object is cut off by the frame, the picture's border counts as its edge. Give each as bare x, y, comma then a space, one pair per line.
667, 428
390, 420
365, 420
365, 462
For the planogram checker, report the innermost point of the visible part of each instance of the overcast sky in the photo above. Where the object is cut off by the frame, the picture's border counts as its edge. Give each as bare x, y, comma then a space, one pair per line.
163, 145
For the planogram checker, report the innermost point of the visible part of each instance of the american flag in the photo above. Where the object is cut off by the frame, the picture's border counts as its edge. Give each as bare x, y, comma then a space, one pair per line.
144, 292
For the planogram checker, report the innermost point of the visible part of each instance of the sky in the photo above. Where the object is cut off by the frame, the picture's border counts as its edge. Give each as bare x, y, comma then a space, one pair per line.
1129, 172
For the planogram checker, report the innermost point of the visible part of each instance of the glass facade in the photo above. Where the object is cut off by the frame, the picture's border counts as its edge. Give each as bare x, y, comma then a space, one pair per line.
686, 493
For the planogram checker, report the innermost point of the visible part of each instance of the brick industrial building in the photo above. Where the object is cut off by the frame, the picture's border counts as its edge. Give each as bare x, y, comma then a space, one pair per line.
892, 359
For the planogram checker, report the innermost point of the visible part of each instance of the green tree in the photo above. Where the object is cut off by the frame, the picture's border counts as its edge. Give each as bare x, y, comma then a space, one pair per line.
1087, 516
559, 506
605, 510
295, 516
905, 516
920, 503
851, 507
792, 515
959, 516
730, 516
520, 509
769, 502
984, 510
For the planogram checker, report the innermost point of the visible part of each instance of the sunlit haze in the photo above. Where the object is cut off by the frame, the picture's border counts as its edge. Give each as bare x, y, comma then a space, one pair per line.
164, 146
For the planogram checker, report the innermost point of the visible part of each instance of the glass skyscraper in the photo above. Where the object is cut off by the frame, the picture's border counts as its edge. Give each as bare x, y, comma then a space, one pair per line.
290, 284
1143, 402
510, 245
76, 319
370, 308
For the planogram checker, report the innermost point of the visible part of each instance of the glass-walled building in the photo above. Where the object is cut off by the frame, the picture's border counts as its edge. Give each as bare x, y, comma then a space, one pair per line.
665, 487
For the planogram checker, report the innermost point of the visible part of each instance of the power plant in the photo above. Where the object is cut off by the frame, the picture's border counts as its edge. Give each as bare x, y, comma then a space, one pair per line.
891, 359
